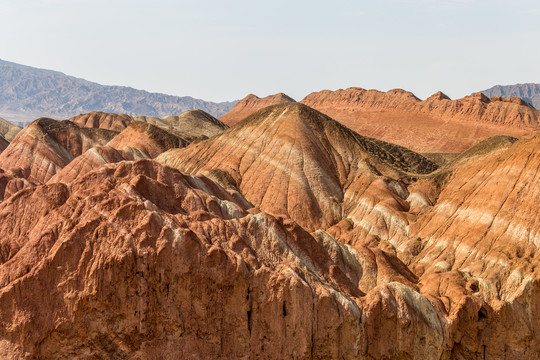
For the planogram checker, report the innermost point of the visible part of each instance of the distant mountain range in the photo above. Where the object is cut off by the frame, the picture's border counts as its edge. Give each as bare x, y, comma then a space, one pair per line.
27, 93
528, 92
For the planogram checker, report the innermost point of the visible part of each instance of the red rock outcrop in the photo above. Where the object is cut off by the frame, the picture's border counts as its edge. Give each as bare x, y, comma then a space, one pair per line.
190, 124
292, 161
88, 161
251, 104
143, 140
287, 235
196, 123
136, 252
46, 145
436, 124
485, 228
138, 141
101, 120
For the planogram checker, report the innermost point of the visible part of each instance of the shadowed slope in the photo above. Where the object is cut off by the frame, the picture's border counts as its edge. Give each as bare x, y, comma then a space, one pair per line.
196, 123
436, 124
8, 130
3, 143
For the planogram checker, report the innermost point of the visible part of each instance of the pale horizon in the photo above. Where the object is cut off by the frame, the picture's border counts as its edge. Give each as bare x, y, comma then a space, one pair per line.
222, 52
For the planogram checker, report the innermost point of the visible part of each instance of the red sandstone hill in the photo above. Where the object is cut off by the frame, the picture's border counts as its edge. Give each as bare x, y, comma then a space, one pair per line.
47, 145
293, 161
251, 104
287, 235
436, 124
190, 124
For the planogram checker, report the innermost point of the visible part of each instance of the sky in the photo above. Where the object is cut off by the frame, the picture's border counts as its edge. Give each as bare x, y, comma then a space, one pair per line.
224, 50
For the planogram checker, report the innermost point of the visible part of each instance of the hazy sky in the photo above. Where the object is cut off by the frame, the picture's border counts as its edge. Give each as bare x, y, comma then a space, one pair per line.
223, 50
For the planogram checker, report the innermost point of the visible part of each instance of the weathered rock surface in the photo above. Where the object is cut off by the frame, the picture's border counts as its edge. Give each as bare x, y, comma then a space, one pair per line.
102, 120
436, 124
146, 262
285, 236
292, 161
8, 130
46, 145
195, 123
143, 140
485, 229
251, 104
190, 124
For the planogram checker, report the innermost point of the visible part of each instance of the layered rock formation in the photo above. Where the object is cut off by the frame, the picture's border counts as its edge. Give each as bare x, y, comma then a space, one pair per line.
144, 265
251, 104
8, 130
190, 124
287, 235
293, 161
434, 125
195, 123
47, 145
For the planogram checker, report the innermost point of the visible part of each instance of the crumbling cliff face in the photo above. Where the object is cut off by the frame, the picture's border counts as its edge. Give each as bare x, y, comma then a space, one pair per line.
287, 235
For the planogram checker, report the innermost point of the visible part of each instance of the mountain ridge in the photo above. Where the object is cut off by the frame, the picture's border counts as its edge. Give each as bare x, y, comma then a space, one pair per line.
436, 124
529, 92
28, 93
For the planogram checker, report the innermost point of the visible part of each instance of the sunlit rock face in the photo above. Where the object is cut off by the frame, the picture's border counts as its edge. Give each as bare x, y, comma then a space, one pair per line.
251, 104
286, 235
436, 124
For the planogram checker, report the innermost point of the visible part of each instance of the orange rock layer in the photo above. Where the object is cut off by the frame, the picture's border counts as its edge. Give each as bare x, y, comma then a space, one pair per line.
285, 236
251, 104
436, 124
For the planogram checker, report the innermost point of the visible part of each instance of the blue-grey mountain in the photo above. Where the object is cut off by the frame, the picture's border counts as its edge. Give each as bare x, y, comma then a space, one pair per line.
27, 93
528, 92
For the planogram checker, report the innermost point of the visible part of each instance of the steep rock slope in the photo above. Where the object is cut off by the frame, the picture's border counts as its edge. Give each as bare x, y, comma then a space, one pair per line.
47, 145
137, 141
102, 120
91, 160
27, 92
147, 139
436, 124
190, 124
196, 123
8, 130
293, 161
527, 92
251, 104
485, 231
134, 253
